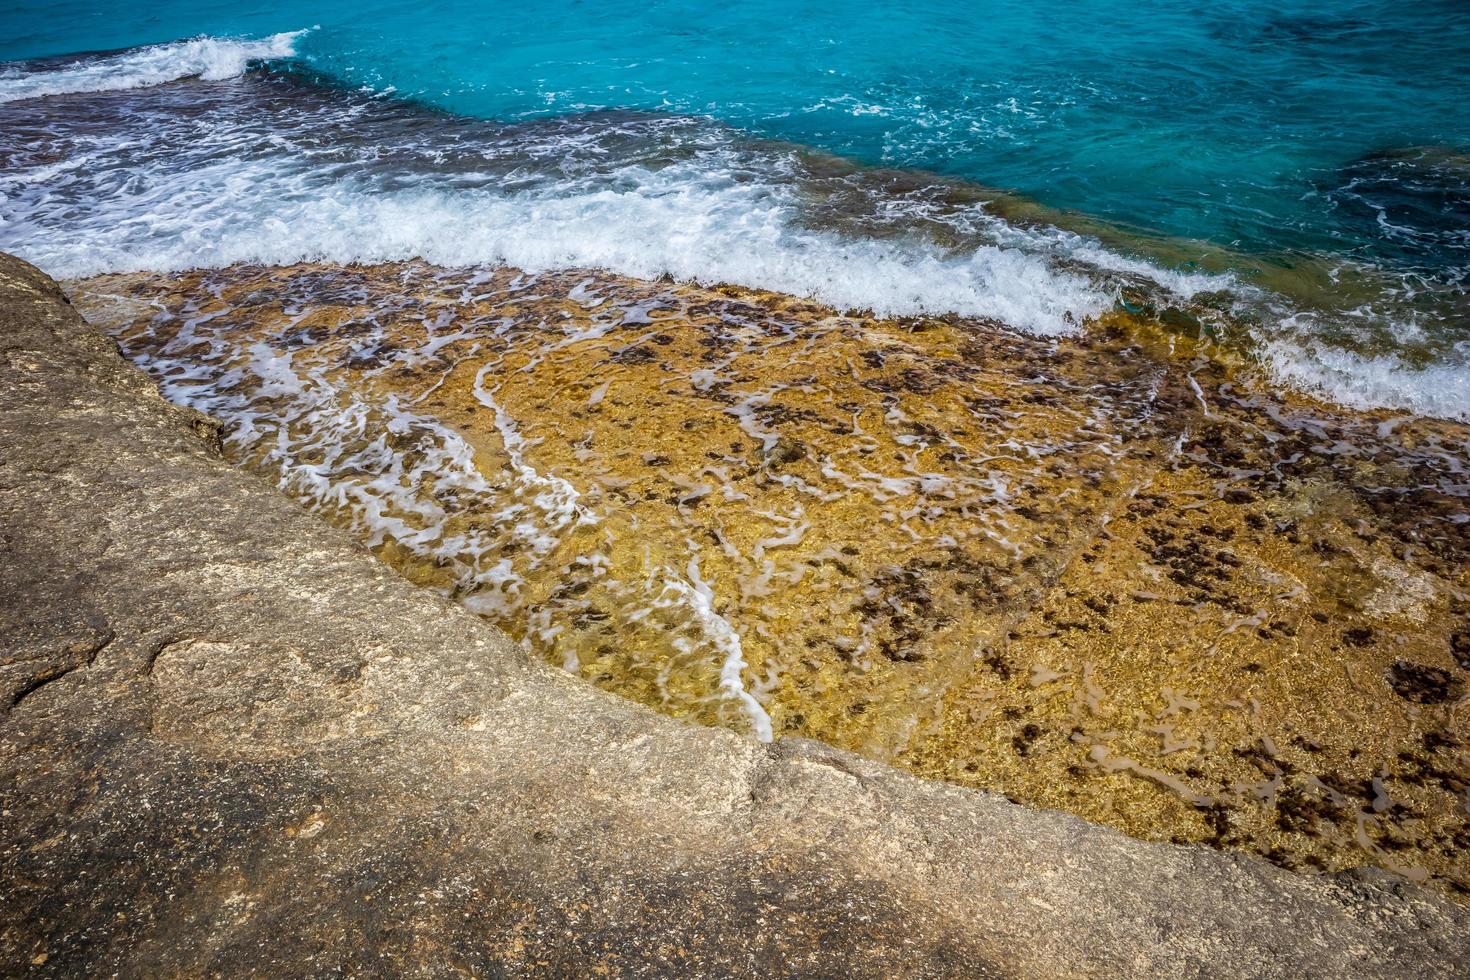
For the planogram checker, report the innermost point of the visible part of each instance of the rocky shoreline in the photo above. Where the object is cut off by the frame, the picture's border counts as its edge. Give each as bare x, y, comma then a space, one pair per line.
1111, 574
235, 743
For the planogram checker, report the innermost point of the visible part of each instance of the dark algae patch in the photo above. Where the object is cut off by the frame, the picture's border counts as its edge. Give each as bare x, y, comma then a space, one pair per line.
1107, 574
1423, 684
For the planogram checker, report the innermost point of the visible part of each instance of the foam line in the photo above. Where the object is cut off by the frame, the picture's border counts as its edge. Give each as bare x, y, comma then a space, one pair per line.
209, 58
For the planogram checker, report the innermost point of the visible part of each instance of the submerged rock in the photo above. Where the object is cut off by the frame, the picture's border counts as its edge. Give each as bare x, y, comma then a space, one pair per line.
1426, 685
797, 521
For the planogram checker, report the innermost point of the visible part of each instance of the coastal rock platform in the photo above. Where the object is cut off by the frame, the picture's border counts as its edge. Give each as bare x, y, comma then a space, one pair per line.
233, 742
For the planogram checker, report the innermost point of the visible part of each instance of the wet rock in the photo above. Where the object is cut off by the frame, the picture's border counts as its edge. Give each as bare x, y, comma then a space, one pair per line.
633, 354
1026, 738
1423, 684
784, 451
1460, 648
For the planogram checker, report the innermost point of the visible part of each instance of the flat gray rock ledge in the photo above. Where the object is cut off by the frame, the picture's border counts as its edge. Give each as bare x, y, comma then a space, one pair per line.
233, 743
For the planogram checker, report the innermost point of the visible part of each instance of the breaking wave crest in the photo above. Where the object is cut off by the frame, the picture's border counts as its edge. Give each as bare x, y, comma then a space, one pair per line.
656, 225
209, 58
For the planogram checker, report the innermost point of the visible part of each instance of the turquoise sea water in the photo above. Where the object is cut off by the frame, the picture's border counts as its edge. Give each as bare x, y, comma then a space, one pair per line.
1310, 160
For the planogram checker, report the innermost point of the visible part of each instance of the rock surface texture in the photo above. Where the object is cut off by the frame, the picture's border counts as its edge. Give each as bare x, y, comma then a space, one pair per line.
234, 743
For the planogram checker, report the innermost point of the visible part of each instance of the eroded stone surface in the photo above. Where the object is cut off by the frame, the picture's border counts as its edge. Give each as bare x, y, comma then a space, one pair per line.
454, 806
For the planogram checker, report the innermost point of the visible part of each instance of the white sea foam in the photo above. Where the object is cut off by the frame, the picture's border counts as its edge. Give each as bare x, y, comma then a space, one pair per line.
1357, 381
694, 226
210, 58
695, 595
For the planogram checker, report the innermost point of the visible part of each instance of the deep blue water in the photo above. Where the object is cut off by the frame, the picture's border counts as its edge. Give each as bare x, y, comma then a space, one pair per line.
1318, 148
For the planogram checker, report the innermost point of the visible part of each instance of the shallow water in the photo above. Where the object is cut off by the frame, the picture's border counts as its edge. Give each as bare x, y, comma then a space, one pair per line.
1294, 179
1099, 574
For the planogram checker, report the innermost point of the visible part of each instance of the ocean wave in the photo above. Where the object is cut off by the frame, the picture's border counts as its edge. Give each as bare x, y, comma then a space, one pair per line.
1372, 381
286, 171
715, 216
210, 58
652, 229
